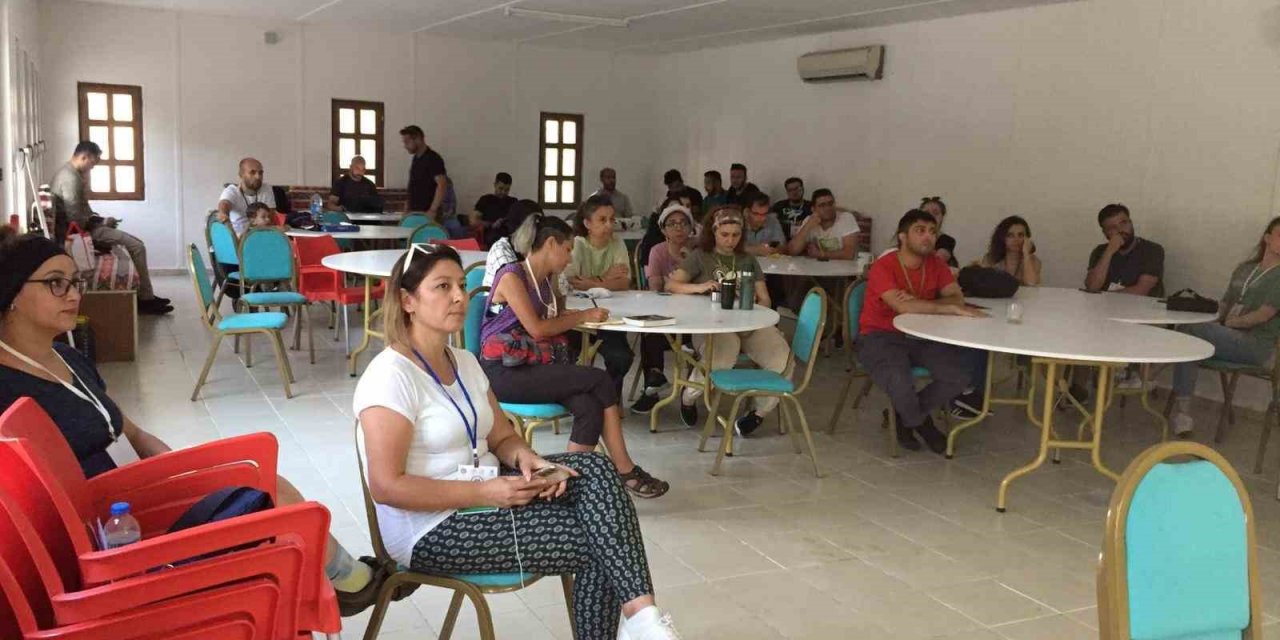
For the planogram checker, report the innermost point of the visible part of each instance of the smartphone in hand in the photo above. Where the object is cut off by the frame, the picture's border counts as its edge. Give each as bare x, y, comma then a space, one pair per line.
553, 474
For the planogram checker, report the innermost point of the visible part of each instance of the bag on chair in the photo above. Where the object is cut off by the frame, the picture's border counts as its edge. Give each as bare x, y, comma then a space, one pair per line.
985, 282
221, 505
1189, 300
79, 246
517, 348
114, 272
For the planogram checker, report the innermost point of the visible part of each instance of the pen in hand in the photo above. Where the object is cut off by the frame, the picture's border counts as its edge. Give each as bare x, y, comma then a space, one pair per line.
593, 303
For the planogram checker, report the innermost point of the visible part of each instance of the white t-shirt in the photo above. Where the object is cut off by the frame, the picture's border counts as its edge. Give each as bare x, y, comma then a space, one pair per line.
831, 239
440, 441
502, 254
240, 201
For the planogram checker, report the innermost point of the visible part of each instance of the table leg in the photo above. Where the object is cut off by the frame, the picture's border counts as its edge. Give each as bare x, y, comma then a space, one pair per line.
680, 381
369, 316
987, 402
1099, 412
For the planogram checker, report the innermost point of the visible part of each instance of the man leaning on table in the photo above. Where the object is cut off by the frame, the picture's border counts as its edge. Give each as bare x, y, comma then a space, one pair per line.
912, 280
828, 234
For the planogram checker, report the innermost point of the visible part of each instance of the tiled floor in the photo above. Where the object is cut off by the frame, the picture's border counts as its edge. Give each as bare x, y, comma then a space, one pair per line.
879, 548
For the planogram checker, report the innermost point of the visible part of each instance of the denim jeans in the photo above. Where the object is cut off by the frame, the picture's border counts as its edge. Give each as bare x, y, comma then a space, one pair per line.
1232, 345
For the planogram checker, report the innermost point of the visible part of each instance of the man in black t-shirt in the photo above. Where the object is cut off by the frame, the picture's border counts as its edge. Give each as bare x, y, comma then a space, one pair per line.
491, 208
739, 188
427, 176
354, 192
1126, 263
792, 211
677, 189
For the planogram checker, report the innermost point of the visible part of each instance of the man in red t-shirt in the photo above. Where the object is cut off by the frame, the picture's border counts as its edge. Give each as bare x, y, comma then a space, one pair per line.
913, 280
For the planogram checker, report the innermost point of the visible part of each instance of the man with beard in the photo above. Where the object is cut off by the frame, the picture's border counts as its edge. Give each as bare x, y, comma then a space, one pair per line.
913, 280
1126, 263
739, 188
609, 187
236, 198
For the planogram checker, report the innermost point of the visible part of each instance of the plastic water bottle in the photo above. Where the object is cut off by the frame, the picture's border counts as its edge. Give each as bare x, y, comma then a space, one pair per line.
122, 528
317, 209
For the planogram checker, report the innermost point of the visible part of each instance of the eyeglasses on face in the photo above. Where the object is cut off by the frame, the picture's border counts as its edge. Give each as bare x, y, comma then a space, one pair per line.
677, 224
60, 286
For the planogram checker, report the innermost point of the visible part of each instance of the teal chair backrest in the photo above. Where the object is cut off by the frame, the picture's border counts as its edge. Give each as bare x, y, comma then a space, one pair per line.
1186, 548
428, 232
265, 256
195, 267
475, 278
223, 240
334, 217
475, 318
414, 221
808, 324
854, 310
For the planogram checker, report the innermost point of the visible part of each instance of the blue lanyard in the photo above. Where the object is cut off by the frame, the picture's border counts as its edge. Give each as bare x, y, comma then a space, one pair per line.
472, 426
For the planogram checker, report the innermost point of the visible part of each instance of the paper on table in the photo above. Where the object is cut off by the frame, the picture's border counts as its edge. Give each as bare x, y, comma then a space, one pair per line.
596, 325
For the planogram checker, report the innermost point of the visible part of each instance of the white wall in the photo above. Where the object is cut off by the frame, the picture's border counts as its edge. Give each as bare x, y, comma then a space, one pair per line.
213, 92
19, 38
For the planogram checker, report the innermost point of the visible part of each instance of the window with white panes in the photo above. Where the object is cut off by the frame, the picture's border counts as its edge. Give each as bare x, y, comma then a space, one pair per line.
111, 116
560, 160
357, 131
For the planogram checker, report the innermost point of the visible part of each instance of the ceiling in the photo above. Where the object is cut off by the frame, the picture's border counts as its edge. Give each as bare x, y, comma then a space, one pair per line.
653, 25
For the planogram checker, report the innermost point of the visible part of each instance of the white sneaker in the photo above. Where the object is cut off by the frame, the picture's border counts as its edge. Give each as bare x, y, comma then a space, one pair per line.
1182, 423
652, 625
1129, 382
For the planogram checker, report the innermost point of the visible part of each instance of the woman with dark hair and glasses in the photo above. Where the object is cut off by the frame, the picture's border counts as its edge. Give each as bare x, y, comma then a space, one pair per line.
676, 222
454, 482
945, 247
526, 354
39, 301
1012, 251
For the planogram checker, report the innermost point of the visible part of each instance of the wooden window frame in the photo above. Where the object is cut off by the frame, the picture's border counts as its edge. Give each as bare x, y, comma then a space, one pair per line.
578, 147
378, 175
83, 89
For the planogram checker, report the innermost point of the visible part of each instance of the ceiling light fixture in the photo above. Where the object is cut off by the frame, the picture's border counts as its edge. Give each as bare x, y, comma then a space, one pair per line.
567, 17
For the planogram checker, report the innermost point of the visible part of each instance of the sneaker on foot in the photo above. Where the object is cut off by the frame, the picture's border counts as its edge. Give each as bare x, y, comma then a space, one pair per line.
645, 403
655, 381
689, 414
936, 440
352, 602
1080, 393
649, 625
906, 435
748, 423
153, 307
967, 406
1183, 424
1129, 381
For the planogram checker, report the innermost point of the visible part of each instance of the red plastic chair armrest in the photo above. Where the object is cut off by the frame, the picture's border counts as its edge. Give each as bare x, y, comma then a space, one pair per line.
282, 563
262, 449
307, 523
247, 609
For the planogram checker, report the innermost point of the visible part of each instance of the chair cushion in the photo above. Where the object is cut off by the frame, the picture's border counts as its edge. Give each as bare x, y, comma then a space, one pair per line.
548, 410
740, 380
272, 298
234, 275
920, 372
496, 580
253, 321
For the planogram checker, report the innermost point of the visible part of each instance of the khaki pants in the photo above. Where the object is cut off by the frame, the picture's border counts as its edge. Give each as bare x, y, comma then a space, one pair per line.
137, 252
766, 347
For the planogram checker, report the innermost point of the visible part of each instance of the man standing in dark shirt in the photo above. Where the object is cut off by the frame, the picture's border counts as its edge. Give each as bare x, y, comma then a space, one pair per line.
738, 185
677, 189
794, 209
427, 176
491, 209
354, 192
1126, 263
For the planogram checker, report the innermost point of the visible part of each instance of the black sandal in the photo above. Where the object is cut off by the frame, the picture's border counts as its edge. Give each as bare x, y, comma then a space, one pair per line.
646, 486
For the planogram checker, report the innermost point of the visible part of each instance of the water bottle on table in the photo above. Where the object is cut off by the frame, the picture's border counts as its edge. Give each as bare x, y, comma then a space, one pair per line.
122, 529
317, 209
747, 290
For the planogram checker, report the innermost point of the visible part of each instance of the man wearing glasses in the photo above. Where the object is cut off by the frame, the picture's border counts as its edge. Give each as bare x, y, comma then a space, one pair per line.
71, 204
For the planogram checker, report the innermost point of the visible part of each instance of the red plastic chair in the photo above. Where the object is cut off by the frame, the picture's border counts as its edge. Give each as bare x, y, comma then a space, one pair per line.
28, 486
322, 284
160, 488
464, 244
39, 593
282, 220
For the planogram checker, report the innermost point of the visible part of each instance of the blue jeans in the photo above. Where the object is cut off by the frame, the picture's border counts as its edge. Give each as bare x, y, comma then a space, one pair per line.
1232, 345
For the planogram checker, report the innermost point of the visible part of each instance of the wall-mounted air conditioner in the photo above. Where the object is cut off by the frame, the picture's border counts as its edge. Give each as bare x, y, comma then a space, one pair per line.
863, 63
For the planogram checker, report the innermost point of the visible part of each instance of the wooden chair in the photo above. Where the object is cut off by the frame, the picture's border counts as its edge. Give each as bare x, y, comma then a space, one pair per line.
1179, 554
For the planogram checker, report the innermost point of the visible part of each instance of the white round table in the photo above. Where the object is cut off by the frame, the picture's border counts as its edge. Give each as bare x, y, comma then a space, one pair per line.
374, 217
378, 262
367, 232
1059, 329
695, 315
629, 235
377, 265
1120, 307
811, 267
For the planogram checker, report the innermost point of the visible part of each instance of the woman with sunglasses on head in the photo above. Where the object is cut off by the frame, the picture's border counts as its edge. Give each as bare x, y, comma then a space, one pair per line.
457, 489
722, 255
39, 301
526, 354
676, 222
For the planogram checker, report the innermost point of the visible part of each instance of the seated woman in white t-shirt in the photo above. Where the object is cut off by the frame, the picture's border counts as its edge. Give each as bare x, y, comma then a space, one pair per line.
428, 421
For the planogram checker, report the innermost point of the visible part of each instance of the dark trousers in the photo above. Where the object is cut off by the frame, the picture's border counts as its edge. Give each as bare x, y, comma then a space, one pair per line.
888, 357
614, 349
585, 391
591, 532
653, 354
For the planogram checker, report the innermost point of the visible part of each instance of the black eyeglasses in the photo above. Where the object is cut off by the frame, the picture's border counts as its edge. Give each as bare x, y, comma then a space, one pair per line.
60, 286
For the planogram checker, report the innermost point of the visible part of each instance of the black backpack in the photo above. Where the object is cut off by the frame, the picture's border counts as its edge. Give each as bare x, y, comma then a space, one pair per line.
984, 282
